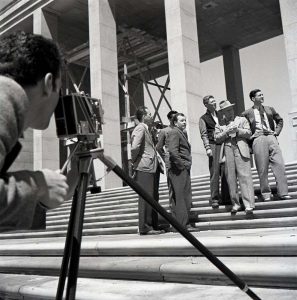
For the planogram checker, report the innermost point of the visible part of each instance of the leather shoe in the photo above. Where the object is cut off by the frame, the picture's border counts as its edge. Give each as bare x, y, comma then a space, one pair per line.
191, 227
266, 198
165, 227
151, 232
249, 211
286, 197
235, 209
214, 204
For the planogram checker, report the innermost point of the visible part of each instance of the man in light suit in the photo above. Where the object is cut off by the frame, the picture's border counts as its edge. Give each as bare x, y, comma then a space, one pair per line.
145, 164
266, 124
234, 134
180, 158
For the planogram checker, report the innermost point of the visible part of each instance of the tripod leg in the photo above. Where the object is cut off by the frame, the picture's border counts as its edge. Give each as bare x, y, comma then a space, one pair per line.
67, 249
77, 230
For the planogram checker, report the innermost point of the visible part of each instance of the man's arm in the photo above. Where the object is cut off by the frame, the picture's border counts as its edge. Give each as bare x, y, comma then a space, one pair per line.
278, 121
137, 138
161, 143
220, 134
244, 131
203, 134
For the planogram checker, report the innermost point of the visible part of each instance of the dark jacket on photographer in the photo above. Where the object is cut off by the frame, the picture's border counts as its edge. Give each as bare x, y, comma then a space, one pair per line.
21, 191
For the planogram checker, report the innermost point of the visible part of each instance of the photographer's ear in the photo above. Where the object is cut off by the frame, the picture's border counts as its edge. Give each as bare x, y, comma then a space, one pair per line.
48, 84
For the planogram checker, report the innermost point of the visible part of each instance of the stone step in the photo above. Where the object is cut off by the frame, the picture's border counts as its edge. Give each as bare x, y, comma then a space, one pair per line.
51, 233
132, 198
203, 201
256, 271
200, 180
132, 219
132, 213
198, 203
93, 214
257, 214
240, 242
247, 223
204, 178
259, 206
29, 287
195, 184
292, 179
200, 226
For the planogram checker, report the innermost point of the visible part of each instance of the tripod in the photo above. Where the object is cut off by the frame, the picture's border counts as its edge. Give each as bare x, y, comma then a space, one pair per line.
73, 239
70, 262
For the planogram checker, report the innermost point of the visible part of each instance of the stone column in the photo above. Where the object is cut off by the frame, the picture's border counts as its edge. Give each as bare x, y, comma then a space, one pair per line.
104, 81
289, 21
45, 143
185, 75
233, 78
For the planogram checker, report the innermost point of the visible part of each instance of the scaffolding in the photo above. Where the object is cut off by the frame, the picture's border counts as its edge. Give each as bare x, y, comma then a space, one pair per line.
139, 53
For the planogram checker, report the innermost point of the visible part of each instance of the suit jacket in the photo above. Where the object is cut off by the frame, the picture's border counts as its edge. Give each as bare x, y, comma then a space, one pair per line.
163, 134
272, 116
207, 127
179, 150
143, 151
242, 136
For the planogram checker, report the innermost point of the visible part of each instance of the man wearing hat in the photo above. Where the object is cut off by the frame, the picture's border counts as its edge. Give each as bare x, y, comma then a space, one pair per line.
234, 132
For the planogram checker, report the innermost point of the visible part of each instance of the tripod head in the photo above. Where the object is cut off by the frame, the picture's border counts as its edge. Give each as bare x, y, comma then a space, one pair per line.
77, 114
79, 120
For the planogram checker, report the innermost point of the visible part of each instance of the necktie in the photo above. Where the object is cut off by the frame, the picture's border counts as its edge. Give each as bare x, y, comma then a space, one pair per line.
261, 111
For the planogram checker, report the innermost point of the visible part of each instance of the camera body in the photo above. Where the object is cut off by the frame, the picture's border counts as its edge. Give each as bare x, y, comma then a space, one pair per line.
78, 114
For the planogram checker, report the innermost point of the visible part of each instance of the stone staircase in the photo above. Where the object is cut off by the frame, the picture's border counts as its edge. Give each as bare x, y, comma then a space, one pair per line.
116, 263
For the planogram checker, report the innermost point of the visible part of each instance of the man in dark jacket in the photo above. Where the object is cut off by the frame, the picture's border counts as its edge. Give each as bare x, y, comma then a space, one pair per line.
207, 125
266, 124
162, 148
180, 158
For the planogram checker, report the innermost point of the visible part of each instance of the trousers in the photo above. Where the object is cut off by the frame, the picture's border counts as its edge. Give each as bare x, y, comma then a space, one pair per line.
147, 216
181, 201
216, 171
239, 167
267, 152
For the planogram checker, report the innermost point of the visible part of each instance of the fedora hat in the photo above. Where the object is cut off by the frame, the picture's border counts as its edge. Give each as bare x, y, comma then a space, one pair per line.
225, 104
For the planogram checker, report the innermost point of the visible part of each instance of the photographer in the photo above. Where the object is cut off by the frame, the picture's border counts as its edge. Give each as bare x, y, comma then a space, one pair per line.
30, 81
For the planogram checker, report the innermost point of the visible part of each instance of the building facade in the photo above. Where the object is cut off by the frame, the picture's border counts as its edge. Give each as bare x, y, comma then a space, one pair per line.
117, 51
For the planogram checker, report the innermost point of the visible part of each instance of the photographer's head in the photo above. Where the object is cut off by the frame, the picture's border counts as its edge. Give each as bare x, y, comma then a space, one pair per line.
35, 63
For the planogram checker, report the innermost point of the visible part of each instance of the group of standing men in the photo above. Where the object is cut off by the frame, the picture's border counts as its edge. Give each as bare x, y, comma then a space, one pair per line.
229, 141
146, 159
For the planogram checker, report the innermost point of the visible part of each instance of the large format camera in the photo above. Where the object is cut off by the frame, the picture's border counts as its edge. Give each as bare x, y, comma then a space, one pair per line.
77, 115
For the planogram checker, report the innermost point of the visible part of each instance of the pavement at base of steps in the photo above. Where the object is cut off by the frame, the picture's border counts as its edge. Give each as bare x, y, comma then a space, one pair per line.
44, 287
